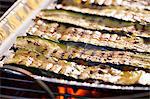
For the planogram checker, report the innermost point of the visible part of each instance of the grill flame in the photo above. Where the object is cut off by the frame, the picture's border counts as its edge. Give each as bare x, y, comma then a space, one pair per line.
76, 92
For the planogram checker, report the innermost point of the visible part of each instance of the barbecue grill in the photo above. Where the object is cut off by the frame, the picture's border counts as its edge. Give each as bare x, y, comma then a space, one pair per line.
21, 85
27, 82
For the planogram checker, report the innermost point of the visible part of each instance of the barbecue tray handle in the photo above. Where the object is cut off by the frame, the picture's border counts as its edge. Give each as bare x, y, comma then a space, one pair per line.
27, 73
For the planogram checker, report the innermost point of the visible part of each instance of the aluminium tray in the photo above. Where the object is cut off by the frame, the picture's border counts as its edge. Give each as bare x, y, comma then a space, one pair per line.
17, 20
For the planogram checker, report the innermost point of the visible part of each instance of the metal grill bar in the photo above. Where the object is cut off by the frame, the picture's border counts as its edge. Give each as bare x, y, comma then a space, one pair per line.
13, 79
22, 89
12, 97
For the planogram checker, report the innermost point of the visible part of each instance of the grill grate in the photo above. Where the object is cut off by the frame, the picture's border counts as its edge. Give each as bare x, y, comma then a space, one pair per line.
16, 85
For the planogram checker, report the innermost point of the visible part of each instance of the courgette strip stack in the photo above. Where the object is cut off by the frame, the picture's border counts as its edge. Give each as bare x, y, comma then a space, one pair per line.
100, 23
49, 48
95, 22
71, 69
58, 31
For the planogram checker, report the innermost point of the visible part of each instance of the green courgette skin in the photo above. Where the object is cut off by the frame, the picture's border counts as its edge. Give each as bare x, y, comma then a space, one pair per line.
63, 32
71, 69
61, 51
96, 22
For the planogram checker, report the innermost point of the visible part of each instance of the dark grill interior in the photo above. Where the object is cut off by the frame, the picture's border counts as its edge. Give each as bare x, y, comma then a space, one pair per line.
4, 5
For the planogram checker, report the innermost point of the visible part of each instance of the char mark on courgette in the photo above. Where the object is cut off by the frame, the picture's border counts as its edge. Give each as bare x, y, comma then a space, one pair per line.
95, 22
61, 51
63, 32
71, 69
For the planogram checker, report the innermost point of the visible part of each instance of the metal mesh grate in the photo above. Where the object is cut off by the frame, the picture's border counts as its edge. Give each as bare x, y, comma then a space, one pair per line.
14, 86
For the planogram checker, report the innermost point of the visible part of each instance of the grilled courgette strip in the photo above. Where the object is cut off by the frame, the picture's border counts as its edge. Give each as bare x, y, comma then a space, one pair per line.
96, 22
131, 4
120, 12
57, 31
61, 51
101, 72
